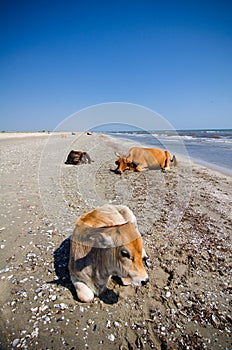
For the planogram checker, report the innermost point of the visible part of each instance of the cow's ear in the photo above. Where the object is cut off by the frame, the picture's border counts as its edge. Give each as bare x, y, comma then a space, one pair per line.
94, 237
106, 241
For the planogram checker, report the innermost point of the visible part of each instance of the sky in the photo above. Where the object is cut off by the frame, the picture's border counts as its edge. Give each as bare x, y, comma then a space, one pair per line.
60, 57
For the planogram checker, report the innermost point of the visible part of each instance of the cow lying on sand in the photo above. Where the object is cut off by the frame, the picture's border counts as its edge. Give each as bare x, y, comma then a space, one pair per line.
105, 242
78, 157
139, 158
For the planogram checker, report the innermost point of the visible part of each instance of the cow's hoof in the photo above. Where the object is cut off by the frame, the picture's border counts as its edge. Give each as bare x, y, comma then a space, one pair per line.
84, 293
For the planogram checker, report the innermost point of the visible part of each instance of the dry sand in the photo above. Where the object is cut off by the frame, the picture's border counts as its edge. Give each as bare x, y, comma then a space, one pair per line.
184, 216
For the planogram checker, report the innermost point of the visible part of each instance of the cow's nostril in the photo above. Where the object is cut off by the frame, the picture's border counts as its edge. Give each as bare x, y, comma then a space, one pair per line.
144, 282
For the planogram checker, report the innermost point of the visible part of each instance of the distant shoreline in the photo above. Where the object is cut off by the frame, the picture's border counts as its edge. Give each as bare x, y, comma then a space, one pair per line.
7, 135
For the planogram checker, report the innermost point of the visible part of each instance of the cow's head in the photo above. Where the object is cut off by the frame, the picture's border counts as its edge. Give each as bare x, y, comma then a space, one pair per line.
124, 164
100, 252
129, 263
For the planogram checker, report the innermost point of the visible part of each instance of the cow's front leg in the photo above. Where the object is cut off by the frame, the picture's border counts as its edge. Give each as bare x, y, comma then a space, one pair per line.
84, 293
140, 168
126, 281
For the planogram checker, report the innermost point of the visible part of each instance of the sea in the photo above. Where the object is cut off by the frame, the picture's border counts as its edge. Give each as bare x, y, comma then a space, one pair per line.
211, 148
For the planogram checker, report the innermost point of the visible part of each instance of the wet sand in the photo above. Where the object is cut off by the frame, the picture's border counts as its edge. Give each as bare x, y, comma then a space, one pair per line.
184, 216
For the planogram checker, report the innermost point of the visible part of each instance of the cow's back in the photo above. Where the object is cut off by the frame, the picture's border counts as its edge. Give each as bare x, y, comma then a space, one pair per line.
108, 215
146, 157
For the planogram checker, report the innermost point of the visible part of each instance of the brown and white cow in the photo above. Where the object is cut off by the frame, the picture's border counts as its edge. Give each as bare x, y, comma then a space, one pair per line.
140, 158
106, 242
78, 157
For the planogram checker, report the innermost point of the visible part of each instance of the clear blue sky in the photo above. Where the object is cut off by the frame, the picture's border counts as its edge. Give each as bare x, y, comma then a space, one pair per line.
58, 57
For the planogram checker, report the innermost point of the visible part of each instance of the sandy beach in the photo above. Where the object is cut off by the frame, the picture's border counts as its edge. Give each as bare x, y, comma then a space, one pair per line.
184, 216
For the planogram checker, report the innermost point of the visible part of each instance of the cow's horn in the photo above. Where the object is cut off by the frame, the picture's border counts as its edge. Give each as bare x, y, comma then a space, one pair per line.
117, 154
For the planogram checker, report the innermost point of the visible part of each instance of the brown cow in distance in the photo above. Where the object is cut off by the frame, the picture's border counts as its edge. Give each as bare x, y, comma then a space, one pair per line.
78, 157
139, 159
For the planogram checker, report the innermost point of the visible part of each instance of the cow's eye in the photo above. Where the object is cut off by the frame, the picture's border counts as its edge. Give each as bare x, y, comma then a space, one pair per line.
125, 253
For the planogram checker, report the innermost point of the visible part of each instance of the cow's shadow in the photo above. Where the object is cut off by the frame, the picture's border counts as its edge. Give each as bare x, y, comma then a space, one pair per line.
61, 260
